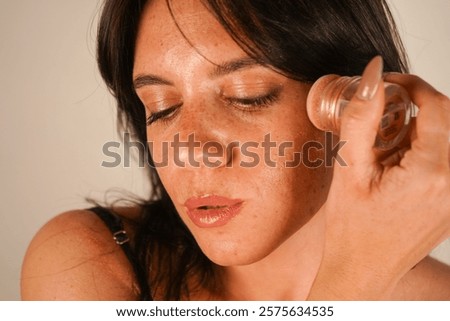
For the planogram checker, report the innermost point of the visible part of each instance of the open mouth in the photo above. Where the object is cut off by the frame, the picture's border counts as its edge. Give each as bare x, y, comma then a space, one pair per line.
208, 207
212, 210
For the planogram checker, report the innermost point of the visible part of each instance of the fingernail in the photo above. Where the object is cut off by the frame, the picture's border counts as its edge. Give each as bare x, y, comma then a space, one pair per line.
370, 79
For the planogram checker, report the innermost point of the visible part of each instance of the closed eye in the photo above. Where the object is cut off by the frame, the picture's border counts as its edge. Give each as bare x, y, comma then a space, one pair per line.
255, 102
163, 115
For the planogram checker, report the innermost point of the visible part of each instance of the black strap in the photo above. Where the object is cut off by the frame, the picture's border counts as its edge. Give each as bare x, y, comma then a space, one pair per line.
120, 236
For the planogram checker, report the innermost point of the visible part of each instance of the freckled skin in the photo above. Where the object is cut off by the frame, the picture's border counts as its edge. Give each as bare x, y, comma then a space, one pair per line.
273, 249
277, 201
283, 199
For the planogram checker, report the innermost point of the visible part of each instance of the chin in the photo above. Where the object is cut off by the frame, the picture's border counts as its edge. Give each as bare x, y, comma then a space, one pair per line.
232, 253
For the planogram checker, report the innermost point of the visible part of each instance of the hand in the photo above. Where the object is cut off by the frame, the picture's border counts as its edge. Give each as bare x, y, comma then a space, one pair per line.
382, 220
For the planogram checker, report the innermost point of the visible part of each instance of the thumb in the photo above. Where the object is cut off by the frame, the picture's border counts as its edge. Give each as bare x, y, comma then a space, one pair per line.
360, 121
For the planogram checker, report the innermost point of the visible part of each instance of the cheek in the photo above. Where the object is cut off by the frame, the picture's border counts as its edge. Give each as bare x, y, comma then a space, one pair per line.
301, 190
160, 154
299, 182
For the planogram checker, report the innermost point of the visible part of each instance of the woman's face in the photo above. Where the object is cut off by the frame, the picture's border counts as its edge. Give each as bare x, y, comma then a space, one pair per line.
227, 134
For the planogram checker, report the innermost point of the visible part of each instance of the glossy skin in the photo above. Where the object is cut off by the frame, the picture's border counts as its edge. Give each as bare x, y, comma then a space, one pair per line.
285, 243
277, 200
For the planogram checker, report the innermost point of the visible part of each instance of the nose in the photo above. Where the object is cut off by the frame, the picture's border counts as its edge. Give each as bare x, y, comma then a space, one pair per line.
203, 139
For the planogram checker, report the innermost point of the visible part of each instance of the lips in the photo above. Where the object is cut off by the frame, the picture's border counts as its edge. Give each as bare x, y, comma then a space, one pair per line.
212, 210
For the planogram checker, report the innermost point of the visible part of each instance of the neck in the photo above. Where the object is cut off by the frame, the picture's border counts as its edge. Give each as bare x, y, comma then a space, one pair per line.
285, 274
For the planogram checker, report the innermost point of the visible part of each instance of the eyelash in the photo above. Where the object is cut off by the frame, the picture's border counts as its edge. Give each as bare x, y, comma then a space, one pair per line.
254, 103
245, 104
163, 116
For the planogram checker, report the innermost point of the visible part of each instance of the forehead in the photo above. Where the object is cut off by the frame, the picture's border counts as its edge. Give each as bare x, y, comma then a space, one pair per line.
183, 30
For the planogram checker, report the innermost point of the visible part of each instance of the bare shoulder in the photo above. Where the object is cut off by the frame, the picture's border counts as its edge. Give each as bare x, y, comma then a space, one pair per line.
73, 257
429, 280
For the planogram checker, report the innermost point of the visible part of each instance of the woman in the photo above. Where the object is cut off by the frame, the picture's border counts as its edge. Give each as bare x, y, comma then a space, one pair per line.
218, 90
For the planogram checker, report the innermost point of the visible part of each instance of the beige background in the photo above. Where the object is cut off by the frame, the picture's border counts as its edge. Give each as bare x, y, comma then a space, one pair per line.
55, 113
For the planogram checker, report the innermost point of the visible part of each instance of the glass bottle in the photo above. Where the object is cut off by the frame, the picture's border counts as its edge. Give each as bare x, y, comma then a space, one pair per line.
330, 94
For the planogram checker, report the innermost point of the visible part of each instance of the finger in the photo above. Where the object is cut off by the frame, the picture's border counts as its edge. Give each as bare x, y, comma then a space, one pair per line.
394, 157
414, 85
433, 119
390, 157
360, 121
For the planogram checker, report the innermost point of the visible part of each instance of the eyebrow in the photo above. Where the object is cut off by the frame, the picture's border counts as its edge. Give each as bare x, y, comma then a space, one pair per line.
219, 70
150, 80
232, 66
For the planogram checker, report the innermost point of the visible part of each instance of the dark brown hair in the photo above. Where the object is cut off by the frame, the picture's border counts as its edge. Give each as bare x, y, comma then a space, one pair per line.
302, 39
